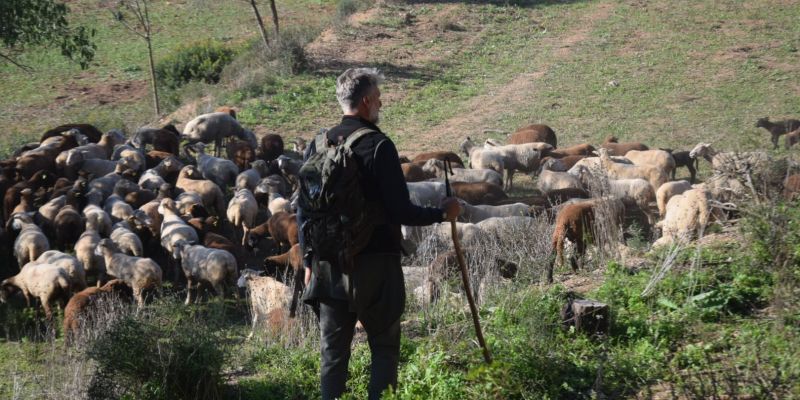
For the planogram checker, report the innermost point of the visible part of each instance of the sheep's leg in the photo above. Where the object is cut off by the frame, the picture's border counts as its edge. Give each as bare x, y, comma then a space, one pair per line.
220, 290
775, 141
692, 171
188, 292
580, 250
48, 312
137, 295
253, 327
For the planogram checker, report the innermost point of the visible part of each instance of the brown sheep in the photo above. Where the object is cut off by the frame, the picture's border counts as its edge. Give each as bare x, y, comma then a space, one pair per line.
294, 259
791, 138
226, 109
241, 153
413, 172
43, 158
619, 149
12, 196
791, 187
439, 155
532, 134
778, 128
216, 241
271, 147
583, 149
79, 304
167, 139
91, 133
574, 223
478, 192
282, 228
154, 157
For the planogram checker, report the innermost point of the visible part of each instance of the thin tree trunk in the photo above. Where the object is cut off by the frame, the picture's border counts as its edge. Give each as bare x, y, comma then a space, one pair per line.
260, 24
275, 19
153, 76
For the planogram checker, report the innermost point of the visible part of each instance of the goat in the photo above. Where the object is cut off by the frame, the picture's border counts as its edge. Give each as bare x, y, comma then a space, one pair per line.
777, 128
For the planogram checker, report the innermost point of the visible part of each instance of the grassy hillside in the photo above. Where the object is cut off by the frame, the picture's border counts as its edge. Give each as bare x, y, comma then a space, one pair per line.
718, 318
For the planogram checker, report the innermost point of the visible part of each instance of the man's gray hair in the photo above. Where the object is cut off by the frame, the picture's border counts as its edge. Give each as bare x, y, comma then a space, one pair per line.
355, 83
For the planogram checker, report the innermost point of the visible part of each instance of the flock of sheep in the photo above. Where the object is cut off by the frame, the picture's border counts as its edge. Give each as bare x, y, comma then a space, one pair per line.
82, 206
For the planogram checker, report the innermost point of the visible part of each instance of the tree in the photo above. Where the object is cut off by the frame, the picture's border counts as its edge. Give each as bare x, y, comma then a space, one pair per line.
25, 23
261, 22
134, 15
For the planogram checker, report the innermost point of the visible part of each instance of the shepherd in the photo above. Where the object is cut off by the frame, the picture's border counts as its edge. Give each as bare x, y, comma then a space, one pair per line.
353, 199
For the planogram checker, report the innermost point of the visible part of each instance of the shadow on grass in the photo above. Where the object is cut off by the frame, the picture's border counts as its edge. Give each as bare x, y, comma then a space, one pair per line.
325, 68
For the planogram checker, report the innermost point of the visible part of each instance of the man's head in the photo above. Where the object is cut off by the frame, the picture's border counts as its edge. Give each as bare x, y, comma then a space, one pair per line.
358, 93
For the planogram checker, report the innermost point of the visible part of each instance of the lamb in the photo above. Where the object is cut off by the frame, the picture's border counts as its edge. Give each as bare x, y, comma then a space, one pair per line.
778, 128
439, 155
520, 157
153, 178
475, 214
415, 173
550, 180
210, 193
682, 159
792, 138
479, 192
242, 211
436, 168
666, 191
138, 273
687, 214
532, 134
203, 265
268, 298
293, 259
84, 251
126, 241
655, 176
483, 158
218, 170
211, 128
30, 242
74, 268
78, 306
620, 149
656, 158
47, 282
249, 179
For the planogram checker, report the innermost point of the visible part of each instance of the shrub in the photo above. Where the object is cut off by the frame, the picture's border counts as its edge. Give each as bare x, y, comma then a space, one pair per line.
202, 61
164, 352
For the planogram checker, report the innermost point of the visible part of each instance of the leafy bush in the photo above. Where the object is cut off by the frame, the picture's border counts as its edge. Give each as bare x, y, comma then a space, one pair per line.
202, 61
164, 352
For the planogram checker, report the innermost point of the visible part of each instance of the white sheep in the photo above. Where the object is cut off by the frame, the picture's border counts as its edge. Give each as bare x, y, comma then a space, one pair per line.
84, 252
138, 273
153, 178
126, 241
242, 211
117, 208
46, 282
426, 193
97, 219
520, 157
248, 179
436, 167
269, 298
74, 268
550, 180
474, 214
174, 229
687, 215
729, 162
30, 242
203, 265
221, 171
190, 180
655, 176
482, 158
656, 158
666, 191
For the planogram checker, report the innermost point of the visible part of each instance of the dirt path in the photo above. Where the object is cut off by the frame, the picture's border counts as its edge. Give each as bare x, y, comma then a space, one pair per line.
475, 115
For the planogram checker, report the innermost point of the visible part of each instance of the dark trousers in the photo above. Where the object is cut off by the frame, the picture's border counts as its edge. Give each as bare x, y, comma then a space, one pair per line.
337, 325
376, 296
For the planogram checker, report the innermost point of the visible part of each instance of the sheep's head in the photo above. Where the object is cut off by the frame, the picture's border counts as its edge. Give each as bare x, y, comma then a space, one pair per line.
433, 166
603, 153
105, 245
245, 275
179, 249
7, 289
165, 205
701, 150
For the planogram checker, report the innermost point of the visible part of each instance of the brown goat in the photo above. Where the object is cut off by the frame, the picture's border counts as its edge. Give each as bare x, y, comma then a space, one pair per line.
583, 149
620, 149
439, 155
534, 133
79, 304
791, 187
476, 193
777, 128
271, 147
241, 153
413, 172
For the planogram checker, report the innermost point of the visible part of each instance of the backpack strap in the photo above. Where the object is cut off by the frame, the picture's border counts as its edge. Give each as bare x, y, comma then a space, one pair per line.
358, 134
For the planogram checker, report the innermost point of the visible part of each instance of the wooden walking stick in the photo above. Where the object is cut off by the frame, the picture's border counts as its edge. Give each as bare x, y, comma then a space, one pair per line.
464, 275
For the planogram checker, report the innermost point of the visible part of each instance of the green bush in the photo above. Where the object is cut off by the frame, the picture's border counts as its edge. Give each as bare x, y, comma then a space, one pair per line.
164, 352
201, 61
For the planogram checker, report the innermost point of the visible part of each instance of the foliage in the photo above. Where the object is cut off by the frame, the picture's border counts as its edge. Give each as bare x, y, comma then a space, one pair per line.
26, 23
166, 352
201, 61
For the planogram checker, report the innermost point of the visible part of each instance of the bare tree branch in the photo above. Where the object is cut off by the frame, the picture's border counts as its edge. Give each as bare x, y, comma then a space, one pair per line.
21, 66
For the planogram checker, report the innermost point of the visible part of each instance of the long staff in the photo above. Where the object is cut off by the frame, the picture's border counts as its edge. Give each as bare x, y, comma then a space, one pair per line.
464, 275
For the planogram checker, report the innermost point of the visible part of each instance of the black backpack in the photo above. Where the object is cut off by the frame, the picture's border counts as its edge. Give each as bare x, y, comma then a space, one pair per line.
339, 220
